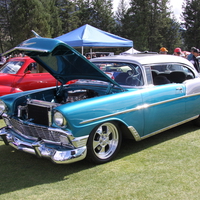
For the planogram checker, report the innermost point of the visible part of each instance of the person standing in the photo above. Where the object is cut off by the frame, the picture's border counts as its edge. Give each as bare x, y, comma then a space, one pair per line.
163, 50
189, 57
177, 52
2, 59
194, 60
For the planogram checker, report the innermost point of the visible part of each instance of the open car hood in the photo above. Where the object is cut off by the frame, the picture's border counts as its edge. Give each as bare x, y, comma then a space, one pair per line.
61, 60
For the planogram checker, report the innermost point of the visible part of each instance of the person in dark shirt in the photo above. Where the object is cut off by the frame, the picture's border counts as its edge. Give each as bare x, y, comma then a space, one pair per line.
194, 60
189, 57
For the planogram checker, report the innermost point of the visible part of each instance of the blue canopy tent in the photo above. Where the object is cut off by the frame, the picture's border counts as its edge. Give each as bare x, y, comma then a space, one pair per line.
89, 36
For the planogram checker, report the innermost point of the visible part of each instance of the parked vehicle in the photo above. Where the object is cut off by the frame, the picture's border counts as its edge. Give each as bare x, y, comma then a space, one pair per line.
22, 74
146, 94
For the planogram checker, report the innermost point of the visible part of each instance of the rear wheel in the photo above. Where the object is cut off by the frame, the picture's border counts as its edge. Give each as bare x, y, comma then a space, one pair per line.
104, 142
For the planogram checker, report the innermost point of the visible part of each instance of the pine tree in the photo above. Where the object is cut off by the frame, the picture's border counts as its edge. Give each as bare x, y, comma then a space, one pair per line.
27, 16
148, 24
54, 18
103, 15
68, 15
191, 16
97, 13
120, 16
4, 25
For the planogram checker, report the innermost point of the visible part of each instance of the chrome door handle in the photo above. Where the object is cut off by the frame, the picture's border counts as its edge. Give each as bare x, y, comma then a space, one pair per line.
179, 88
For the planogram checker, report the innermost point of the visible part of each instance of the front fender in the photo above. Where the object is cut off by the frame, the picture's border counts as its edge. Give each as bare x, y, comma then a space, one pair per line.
83, 116
8, 90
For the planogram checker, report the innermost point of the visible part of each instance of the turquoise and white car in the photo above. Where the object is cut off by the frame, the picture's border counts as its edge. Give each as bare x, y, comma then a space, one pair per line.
126, 96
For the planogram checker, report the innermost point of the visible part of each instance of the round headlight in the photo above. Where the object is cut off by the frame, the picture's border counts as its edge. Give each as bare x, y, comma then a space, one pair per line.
59, 119
3, 107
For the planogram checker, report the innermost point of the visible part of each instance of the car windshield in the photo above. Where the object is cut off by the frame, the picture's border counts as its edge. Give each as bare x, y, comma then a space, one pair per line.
123, 73
12, 67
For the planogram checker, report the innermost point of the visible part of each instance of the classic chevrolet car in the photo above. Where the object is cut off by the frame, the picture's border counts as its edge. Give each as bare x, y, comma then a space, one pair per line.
22, 74
145, 95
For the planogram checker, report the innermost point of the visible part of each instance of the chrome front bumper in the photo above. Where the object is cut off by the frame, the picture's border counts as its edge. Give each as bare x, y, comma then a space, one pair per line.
57, 153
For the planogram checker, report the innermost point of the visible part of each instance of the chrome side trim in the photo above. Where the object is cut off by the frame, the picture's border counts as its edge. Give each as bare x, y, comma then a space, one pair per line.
79, 141
134, 133
144, 106
138, 138
114, 114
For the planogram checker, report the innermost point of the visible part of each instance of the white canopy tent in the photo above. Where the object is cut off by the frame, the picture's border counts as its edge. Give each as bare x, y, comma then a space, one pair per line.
130, 51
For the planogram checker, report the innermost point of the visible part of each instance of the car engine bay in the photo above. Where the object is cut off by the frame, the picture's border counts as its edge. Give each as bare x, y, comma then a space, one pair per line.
37, 107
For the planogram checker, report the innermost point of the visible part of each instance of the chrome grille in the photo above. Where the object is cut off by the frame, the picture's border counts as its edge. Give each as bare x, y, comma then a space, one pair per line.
35, 131
38, 114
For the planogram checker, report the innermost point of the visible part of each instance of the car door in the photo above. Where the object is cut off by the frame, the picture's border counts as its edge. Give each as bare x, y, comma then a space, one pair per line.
34, 78
35, 81
165, 106
8, 73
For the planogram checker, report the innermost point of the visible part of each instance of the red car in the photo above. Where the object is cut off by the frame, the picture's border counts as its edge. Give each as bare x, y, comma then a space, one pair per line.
23, 73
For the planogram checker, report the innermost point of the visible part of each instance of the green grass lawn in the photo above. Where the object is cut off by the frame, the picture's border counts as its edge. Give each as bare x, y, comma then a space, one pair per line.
165, 166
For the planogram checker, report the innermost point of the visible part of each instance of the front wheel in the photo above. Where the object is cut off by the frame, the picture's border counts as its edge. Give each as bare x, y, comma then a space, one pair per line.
104, 143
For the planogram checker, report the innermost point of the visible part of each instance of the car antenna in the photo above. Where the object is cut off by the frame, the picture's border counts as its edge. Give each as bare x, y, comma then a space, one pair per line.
36, 35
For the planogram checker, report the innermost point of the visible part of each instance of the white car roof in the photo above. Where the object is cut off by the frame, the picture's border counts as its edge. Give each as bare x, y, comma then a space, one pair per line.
144, 59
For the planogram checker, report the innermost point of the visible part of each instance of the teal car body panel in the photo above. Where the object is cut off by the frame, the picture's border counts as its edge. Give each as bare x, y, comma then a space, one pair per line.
103, 109
157, 101
113, 97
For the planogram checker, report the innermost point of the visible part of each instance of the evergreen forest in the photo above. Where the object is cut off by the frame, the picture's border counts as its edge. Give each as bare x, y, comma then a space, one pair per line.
149, 23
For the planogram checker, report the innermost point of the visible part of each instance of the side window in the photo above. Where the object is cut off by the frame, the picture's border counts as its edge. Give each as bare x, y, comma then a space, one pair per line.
32, 68
40, 69
173, 73
35, 68
160, 68
149, 75
12, 67
179, 73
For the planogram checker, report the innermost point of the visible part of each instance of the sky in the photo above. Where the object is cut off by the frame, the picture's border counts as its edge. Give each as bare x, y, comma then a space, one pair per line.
175, 4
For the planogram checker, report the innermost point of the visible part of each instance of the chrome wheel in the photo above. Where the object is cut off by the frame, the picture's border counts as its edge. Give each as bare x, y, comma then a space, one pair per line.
104, 142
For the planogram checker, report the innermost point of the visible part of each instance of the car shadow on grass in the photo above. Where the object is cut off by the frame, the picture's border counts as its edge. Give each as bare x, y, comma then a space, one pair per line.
19, 170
